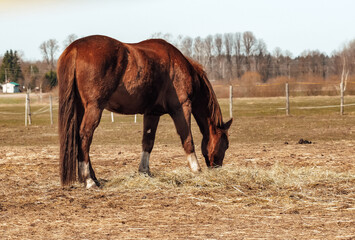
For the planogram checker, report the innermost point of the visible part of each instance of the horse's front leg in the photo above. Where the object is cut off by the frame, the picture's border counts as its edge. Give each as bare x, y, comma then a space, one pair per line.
182, 120
149, 129
89, 123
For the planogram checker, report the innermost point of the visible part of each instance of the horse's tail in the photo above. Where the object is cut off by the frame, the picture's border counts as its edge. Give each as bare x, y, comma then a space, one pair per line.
69, 121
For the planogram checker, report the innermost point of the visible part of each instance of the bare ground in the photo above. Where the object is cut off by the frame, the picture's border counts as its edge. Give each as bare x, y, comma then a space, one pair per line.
259, 199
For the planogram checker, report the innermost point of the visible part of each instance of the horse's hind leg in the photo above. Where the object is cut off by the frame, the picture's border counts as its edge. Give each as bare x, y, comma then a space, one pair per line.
149, 129
89, 123
182, 120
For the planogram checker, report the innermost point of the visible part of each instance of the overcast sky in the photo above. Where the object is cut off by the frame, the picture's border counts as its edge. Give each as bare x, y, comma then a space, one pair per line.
323, 25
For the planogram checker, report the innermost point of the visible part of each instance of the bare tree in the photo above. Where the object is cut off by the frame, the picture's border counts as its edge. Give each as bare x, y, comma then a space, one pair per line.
49, 49
248, 43
351, 55
217, 40
237, 52
208, 47
228, 46
198, 49
218, 44
71, 38
186, 46
277, 53
178, 41
168, 37
157, 35
288, 61
260, 60
344, 75
345, 55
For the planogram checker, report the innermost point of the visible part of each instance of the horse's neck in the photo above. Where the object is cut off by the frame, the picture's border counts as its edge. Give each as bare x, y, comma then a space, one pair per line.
205, 121
207, 113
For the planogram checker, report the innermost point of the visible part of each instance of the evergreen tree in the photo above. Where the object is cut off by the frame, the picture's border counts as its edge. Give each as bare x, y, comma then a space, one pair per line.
51, 78
10, 68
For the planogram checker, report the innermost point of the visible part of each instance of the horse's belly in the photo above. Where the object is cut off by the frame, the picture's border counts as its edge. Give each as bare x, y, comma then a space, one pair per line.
139, 102
124, 105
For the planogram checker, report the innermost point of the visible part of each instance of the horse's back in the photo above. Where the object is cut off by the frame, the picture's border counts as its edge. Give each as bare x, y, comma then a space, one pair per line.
157, 79
149, 76
146, 79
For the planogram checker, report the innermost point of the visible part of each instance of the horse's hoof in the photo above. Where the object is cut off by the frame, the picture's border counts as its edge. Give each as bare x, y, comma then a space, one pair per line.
145, 172
196, 170
90, 183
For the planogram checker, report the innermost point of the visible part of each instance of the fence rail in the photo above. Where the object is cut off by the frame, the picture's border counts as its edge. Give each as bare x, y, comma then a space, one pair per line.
45, 106
285, 89
277, 89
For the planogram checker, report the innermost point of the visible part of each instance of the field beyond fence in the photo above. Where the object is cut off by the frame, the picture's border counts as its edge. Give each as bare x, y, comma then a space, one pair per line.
277, 89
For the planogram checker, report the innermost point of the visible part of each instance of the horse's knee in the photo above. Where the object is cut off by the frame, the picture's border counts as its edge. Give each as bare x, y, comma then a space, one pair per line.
188, 145
147, 143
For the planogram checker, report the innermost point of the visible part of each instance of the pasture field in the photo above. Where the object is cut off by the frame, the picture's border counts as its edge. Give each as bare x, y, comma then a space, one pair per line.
270, 187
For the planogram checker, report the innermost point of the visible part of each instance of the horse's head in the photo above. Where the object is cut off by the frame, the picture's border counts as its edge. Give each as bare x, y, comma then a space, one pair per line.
214, 147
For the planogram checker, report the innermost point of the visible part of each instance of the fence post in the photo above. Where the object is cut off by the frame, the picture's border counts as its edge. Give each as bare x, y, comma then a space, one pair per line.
51, 109
287, 100
40, 94
112, 119
135, 118
341, 98
231, 101
26, 109
29, 110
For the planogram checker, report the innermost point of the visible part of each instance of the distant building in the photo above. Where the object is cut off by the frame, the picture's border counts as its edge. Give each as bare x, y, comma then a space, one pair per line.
10, 87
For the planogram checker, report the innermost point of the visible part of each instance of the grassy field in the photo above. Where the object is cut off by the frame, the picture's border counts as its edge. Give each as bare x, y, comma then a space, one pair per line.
255, 120
270, 187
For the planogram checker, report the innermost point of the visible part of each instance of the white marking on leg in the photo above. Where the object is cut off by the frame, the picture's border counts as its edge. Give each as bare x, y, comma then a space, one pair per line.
149, 130
193, 163
85, 172
90, 183
84, 169
144, 165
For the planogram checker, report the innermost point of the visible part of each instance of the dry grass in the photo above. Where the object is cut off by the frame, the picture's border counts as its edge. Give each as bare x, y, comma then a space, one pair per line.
287, 191
278, 184
277, 177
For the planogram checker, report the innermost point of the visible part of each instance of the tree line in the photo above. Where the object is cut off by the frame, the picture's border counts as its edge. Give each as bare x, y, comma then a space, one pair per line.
37, 75
229, 58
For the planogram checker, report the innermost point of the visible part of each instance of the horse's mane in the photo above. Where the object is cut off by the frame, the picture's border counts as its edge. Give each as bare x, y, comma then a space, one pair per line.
213, 106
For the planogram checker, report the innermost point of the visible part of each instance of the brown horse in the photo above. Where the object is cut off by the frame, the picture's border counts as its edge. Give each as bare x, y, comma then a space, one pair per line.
151, 78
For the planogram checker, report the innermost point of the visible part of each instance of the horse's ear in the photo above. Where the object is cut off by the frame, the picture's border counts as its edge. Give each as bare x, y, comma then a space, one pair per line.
228, 124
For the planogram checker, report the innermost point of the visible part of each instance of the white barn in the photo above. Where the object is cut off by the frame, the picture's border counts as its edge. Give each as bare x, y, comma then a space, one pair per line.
10, 87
